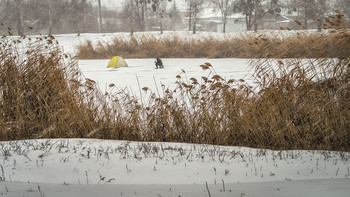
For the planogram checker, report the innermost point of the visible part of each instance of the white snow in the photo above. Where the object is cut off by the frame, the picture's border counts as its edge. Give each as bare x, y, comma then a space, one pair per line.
142, 73
82, 166
91, 167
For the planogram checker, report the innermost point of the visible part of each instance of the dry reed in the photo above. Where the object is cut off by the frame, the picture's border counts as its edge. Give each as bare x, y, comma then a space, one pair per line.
297, 103
42, 92
331, 43
302, 44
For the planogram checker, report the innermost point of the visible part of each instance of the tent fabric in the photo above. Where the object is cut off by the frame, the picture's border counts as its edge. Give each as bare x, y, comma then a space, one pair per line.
117, 62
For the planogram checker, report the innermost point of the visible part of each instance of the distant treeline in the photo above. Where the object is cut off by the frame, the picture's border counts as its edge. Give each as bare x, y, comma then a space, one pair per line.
86, 16
39, 16
80, 16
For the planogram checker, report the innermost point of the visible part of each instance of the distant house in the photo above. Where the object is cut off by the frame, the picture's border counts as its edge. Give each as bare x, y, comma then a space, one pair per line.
235, 23
274, 22
211, 20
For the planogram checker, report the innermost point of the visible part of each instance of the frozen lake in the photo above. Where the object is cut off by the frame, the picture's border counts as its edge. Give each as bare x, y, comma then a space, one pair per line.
142, 73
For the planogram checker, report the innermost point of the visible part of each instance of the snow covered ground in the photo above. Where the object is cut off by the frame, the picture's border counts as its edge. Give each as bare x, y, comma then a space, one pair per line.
85, 167
142, 73
89, 167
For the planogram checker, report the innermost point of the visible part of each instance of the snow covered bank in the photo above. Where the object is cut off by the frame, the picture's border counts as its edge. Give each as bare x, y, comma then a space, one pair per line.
306, 188
83, 161
87, 166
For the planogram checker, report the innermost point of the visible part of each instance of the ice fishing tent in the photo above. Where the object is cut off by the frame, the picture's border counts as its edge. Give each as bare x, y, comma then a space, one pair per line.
117, 62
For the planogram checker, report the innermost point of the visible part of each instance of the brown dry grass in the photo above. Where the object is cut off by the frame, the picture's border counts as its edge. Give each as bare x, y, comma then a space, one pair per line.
297, 104
42, 93
331, 43
297, 107
301, 44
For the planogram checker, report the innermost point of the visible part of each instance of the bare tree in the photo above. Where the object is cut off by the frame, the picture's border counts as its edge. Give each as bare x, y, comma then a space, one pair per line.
344, 7
252, 9
321, 8
19, 16
225, 7
255, 10
99, 17
159, 7
50, 16
133, 15
195, 7
83, 6
135, 12
189, 3
37, 16
7, 16
314, 10
141, 11
175, 17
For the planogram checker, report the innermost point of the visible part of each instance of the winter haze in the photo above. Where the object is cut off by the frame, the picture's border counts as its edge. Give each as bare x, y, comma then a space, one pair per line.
93, 154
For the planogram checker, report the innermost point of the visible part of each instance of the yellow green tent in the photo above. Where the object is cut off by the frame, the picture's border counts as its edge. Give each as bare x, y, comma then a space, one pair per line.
117, 62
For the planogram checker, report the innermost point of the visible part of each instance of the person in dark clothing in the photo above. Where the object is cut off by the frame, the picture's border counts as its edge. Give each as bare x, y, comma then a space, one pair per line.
159, 63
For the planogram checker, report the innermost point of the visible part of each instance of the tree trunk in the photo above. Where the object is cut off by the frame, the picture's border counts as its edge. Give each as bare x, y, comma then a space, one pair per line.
224, 25
195, 19
305, 14
139, 17
158, 12
248, 21
190, 17
320, 23
19, 17
143, 23
132, 18
194, 27
50, 17
161, 27
100, 17
255, 27
305, 22
83, 2
224, 14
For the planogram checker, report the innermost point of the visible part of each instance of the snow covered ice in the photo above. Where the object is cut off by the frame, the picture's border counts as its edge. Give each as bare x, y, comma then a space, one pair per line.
142, 73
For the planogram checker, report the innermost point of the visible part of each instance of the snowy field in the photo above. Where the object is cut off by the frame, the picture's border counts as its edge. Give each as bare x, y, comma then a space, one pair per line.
82, 167
88, 167
142, 73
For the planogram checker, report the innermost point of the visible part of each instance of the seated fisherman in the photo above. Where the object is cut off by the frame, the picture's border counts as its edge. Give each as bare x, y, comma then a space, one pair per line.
159, 63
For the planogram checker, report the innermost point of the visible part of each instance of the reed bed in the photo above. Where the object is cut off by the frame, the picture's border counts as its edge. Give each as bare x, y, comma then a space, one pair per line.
296, 103
296, 44
42, 92
295, 106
